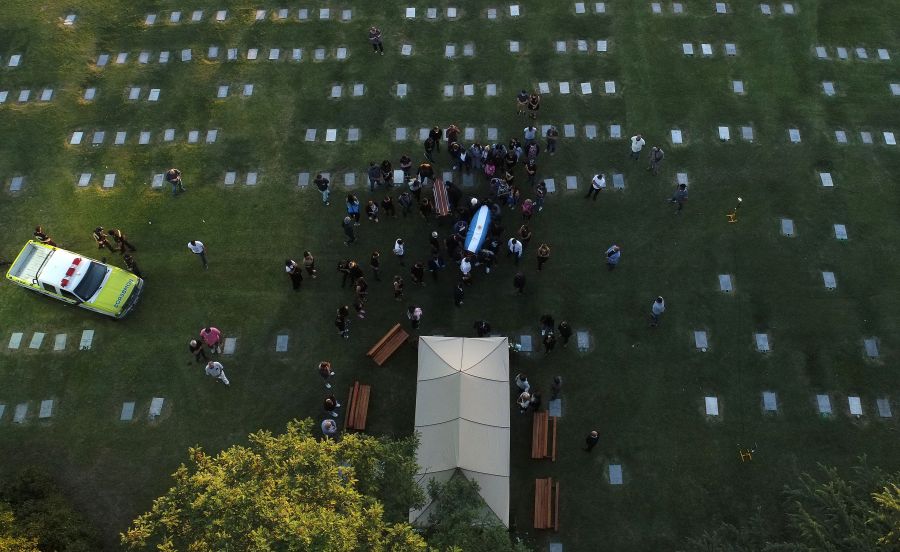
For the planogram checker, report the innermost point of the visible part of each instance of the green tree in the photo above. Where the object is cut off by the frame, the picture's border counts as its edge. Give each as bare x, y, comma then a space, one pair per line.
286, 492
825, 513
45, 516
461, 521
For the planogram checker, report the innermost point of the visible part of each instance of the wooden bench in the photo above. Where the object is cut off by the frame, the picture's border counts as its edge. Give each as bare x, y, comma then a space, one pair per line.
541, 444
357, 406
546, 504
388, 344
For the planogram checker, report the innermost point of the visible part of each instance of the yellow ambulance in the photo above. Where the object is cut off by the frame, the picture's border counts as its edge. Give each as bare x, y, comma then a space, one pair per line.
76, 279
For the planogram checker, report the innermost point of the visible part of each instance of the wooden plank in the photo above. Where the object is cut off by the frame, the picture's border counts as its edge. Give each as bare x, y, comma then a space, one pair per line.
374, 350
553, 454
350, 400
556, 510
441, 202
538, 502
390, 347
362, 408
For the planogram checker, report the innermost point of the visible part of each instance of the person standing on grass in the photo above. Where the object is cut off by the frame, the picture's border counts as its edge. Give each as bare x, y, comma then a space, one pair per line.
458, 294
375, 40
514, 248
397, 286
322, 185
522, 382
521, 102
519, 282
531, 171
331, 405
414, 314
173, 177
292, 268
372, 211
530, 134
436, 134
375, 265
482, 328
556, 387
101, 238
353, 208
132, 266
428, 145
656, 159
197, 248
597, 183
349, 230
213, 338
387, 173
549, 342
405, 166
637, 144
536, 401
656, 309
539, 194
362, 289
375, 178
435, 264
425, 175
405, 201
680, 197
387, 205
534, 104
565, 331
216, 370
543, 255
524, 402
465, 270
121, 240
309, 263
613, 255
418, 273
325, 372
196, 349
591, 441
552, 136
524, 233
342, 323
399, 250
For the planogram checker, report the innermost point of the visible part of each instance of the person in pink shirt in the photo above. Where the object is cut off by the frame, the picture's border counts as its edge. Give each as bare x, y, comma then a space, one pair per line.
213, 338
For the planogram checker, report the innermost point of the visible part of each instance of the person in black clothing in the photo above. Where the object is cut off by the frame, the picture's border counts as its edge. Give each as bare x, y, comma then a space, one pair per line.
426, 172
418, 273
121, 241
536, 400
591, 441
519, 282
349, 231
454, 194
322, 185
436, 134
429, 149
342, 323
101, 239
387, 205
42, 237
173, 177
565, 331
546, 324
458, 294
387, 173
405, 201
354, 272
482, 328
132, 265
375, 264
556, 387
344, 268
435, 264
295, 271
549, 341
405, 165
196, 348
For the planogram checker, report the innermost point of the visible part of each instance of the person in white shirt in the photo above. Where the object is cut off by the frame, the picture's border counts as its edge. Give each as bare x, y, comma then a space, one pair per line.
197, 248
656, 309
522, 382
637, 144
216, 370
597, 183
530, 134
515, 248
465, 267
399, 250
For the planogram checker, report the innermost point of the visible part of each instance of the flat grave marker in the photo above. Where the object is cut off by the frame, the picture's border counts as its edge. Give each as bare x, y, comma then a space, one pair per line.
102, 60
451, 13
406, 50
724, 133
656, 7
583, 341
676, 136
788, 8
156, 406
359, 89
468, 90
15, 185
550, 184
895, 89
154, 95
46, 409
525, 343
560, 46
828, 88
582, 45
15, 340
410, 13
840, 232
24, 96
737, 86
121, 58
770, 401
349, 180
840, 136
747, 133
615, 131
164, 57
324, 13
701, 340
144, 138
823, 403
330, 134
579, 8
883, 54
730, 49
787, 227
310, 135
855, 405
514, 46
252, 54
569, 131
866, 137
230, 344
489, 91
449, 89
352, 134
2, 410
157, 181
401, 90
821, 52
450, 51
842, 53
564, 87
706, 49
677, 7
302, 180
281, 343
681, 178
134, 93
544, 87
341, 53
303, 14
77, 137
337, 91
222, 92
571, 182
618, 181
90, 94
492, 133
871, 346
36, 340
615, 474
109, 180
20, 413
230, 178
150, 19
712, 406
468, 49
221, 15
765, 9
610, 87
602, 46
889, 138
193, 136
400, 134
762, 342
175, 17
554, 408
197, 16
274, 54
884, 407
826, 180
861, 53
590, 132
346, 15
84, 179
127, 412
600, 7
687, 48
59, 342
829, 280
725, 284
721, 8
794, 135
252, 179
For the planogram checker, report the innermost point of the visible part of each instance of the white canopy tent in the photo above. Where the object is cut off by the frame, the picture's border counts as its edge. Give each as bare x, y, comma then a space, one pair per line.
462, 417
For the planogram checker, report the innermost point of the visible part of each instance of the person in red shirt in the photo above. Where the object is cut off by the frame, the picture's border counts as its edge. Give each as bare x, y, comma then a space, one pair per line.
213, 338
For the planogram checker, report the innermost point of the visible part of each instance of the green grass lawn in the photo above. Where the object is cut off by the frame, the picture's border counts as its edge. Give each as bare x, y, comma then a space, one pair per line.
642, 389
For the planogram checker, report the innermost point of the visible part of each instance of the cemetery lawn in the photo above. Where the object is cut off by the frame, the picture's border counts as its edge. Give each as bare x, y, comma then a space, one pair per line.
643, 389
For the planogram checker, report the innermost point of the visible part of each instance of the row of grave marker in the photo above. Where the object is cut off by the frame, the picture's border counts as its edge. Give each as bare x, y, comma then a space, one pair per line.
15, 60
761, 339
99, 137
490, 13
46, 410
823, 405
59, 341
843, 53
231, 54
281, 14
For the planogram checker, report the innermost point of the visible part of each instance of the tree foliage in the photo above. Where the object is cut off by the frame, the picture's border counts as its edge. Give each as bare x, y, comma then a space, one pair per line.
11, 539
460, 521
823, 513
286, 492
35, 509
